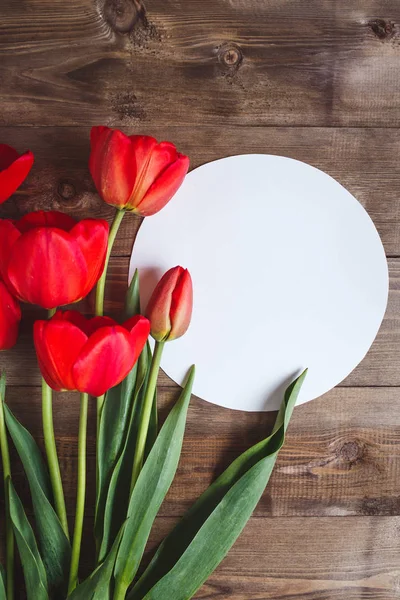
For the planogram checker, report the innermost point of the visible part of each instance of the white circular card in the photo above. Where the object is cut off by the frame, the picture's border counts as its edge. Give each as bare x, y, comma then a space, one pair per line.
288, 272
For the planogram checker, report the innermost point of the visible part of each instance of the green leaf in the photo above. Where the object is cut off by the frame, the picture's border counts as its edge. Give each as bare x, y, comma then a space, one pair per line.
97, 586
132, 300
180, 539
34, 571
113, 428
151, 487
116, 505
3, 595
114, 422
54, 545
29, 452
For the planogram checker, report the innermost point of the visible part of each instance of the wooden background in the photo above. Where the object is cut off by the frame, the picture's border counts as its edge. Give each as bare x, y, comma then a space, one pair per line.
316, 80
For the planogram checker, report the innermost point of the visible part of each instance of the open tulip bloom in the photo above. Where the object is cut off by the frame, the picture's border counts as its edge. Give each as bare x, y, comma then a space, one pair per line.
88, 355
50, 259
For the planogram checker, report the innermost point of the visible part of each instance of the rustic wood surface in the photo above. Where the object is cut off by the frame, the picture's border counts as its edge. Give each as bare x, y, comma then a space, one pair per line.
316, 80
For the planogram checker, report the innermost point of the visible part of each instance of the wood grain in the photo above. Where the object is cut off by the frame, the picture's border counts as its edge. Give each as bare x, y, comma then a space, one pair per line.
341, 458
365, 161
202, 61
316, 81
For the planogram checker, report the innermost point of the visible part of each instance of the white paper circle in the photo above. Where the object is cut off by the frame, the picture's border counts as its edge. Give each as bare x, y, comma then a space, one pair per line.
288, 271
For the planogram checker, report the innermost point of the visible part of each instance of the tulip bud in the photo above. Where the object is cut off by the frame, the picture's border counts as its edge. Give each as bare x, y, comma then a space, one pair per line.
170, 308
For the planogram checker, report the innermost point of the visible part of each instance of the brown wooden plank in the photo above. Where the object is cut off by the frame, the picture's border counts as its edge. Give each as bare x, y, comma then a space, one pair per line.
201, 61
381, 367
365, 161
307, 559
295, 559
341, 458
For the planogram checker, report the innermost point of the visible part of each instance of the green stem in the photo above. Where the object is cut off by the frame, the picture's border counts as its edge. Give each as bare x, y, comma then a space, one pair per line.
146, 413
5, 456
51, 453
80, 495
119, 215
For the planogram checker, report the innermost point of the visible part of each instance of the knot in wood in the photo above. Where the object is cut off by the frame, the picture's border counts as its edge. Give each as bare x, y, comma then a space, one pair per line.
350, 452
230, 56
382, 29
66, 190
122, 15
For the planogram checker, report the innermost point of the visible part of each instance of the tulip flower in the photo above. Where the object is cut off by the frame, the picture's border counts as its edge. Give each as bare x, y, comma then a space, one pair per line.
10, 316
88, 355
48, 258
169, 312
170, 306
135, 173
14, 169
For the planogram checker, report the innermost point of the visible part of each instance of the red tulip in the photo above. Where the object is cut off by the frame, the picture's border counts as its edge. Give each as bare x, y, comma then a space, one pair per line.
14, 169
10, 316
88, 355
136, 172
170, 306
47, 258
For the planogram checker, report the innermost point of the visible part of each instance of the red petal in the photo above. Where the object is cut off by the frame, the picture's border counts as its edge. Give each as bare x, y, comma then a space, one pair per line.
58, 344
163, 188
98, 322
42, 218
91, 236
139, 328
142, 149
105, 360
112, 165
13, 173
8, 155
47, 268
9, 234
181, 305
10, 316
74, 317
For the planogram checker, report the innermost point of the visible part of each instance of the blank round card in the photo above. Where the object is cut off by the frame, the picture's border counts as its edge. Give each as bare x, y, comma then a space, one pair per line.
288, 272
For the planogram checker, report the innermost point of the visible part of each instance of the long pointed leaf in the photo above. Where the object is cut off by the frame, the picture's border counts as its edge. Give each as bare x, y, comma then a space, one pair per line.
97, 586
34, 571
114, 422
173, 547
113, 427
132, 300
151, 487
117, 501
54, 545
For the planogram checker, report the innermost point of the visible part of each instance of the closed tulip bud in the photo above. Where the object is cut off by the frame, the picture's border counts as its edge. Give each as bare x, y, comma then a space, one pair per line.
88, 355
10, 316
135, 173
171, 304
14, 169
48, 258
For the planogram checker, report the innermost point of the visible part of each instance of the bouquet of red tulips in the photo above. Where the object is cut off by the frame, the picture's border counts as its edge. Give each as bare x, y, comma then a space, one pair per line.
49, 259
